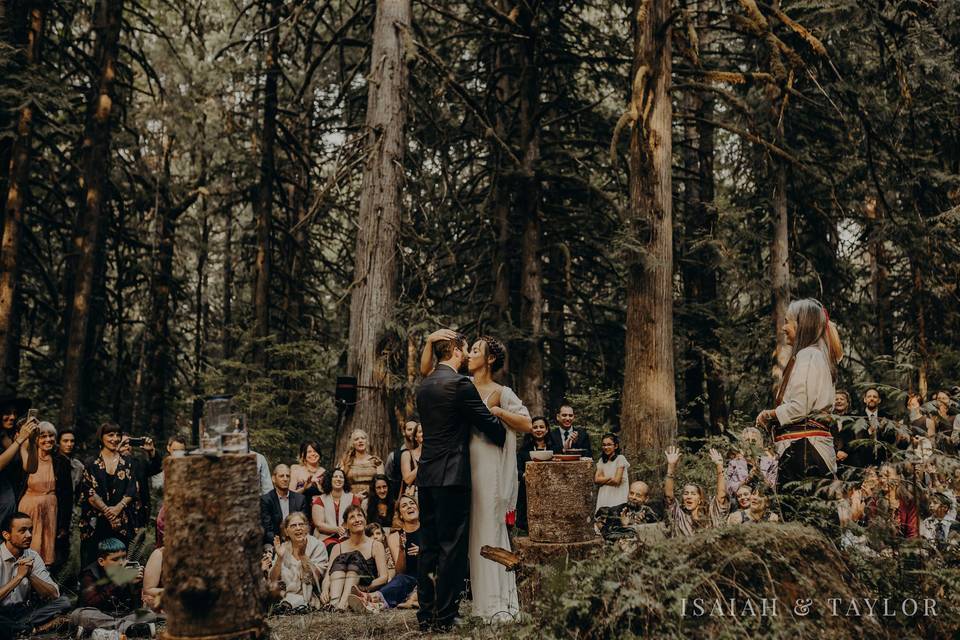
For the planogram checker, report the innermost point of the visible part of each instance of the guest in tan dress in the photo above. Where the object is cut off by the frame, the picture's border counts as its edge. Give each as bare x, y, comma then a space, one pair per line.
47, 488
359, 464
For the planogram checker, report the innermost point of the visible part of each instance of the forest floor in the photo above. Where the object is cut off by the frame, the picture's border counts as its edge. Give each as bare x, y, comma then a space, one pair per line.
395, 625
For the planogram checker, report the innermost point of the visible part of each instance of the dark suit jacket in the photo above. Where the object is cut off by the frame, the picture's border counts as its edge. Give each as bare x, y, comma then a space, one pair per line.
583, 440
449, 405
271, 516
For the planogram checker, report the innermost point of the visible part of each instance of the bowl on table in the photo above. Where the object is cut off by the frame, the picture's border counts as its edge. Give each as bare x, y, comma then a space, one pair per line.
541, 456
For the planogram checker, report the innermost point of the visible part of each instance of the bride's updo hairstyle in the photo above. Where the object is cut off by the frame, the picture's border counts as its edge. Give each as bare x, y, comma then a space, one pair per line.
815, 329
493, 348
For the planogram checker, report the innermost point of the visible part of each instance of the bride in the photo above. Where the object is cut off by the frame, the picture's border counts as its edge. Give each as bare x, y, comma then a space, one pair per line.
493, 476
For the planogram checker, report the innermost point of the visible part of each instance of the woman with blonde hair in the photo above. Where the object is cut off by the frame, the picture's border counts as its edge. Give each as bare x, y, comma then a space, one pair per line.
359, 464
801, 422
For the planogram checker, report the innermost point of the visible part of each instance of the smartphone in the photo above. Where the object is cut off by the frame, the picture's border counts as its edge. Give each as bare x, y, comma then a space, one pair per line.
32, 413
136, 442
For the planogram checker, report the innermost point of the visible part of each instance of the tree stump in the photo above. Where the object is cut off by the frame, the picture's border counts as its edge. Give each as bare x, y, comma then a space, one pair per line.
213, 586
561, 500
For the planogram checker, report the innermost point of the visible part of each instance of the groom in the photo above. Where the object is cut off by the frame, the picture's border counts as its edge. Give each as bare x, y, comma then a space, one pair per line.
448, 405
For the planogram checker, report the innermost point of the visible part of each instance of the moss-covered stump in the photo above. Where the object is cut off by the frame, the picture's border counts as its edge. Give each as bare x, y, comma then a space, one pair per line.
541, 559
756, 581
213, 586
561, 500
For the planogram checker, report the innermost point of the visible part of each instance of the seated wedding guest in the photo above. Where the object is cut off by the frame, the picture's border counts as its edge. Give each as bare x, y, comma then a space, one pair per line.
893, 503
357, 561
629, 519
850, 512
537, 440
145, 464
757, 510
308, 474
637, 509
694, 511
66, 445
48, 500
152, 594
375, 532
359, 464
841, 403
751, 462
280, 502
568, 436
109, 594
404, 545
947, 422
18, 449
329, 509
741, 501
611, 476
409, 462
108, 495
379, 504
392, 464
300, 564
938, 528
30, 600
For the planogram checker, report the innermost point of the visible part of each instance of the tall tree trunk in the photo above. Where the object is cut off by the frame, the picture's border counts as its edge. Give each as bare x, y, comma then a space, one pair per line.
17, 187
920, 309
780, 267
374, 295
96, 170
200, 301
557, 293
503, 89
649, 413
879, 287
263, 205
528, 209
227, 314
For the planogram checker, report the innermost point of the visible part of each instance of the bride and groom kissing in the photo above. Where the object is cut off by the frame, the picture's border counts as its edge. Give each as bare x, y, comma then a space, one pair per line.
467, 478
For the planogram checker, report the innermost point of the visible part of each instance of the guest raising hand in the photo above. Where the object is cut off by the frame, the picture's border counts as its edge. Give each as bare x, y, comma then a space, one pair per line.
694, 511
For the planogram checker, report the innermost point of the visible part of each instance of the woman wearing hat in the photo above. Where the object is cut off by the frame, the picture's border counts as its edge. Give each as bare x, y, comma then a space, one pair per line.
19, 449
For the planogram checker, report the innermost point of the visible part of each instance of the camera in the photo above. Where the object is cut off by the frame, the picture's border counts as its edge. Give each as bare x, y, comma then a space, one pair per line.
132, 564
137, 442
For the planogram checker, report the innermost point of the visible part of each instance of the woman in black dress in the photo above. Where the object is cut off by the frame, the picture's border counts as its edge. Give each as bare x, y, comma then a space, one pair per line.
109, 493
379, 504
358, 561
537, 440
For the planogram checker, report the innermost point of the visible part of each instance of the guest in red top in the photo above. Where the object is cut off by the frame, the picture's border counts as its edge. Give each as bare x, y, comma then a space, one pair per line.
329, 508
895, 503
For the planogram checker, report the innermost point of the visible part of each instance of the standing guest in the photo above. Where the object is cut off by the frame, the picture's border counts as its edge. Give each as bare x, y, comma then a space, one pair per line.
109, 594
359, 464
537, 440
67, 444
24, 582
757, 509
280, 502
947, 422
108, 496
938, 528
694, 511
801, 422
18, 449
330, 508
841, 403
357, 561
308, 476
48, 499
263, 472
300, 563
176, 447
379, 504
612, 476
404, 546
145, 466
751, 462
392, 465
409, 462
568, 436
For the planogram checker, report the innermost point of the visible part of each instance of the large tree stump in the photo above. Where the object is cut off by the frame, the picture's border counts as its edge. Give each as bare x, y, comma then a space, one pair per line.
561, 497
213, 586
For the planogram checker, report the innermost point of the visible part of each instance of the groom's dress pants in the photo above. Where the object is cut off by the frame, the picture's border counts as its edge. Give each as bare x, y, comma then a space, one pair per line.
444, 544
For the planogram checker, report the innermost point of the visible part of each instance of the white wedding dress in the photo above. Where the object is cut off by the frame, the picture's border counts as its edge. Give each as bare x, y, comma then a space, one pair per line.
493, 474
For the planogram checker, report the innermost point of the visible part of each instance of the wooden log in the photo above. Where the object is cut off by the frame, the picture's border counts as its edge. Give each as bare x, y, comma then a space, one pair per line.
213, 586
541, 560
561, 497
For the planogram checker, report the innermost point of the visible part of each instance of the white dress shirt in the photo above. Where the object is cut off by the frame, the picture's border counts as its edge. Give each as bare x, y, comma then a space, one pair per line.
8, 569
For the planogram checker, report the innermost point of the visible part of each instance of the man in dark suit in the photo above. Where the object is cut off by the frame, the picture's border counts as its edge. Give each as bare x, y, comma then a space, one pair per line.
567, 436
279, 502
448, 405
